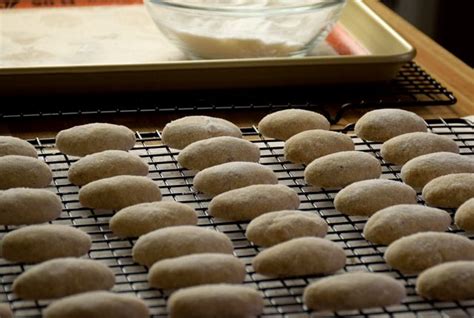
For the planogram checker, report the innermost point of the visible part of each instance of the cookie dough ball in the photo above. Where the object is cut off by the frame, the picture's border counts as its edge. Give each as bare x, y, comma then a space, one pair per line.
209, 301
28, 206
37, 243
177, 241
99, 304
62, 277
90, 138
252, 201
312, 144
184, 131
16, 146
210, 152
369, 196
421, 170
417, 252
464, 217
300, 256
277, 227
392, 223
5, 311
450, 281
118, 192
143, 218
286, 123
340, 169
232, 175
106, 164
351, 291
196, 269
449, 191
384, 124
401, 149
21, 171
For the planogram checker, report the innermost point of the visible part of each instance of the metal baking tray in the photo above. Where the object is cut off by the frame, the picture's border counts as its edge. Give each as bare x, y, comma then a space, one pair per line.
283, 297
387, 52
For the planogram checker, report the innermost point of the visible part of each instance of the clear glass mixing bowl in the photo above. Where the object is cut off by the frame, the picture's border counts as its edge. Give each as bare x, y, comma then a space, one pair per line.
220, 29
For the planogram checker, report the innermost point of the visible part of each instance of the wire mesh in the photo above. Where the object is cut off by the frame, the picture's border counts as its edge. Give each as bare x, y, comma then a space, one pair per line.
283, 297
412, 87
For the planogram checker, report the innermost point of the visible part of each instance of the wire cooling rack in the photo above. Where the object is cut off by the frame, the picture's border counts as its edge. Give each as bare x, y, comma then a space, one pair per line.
283, 297
412, 87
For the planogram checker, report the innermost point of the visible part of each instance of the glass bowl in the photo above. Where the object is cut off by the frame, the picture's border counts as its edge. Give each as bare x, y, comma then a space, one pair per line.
227, 29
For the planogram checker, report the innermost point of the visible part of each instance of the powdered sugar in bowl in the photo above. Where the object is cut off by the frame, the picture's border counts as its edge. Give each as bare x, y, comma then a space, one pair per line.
220, 29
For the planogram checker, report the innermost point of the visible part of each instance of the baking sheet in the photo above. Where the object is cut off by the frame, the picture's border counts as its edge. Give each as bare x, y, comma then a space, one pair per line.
118, 48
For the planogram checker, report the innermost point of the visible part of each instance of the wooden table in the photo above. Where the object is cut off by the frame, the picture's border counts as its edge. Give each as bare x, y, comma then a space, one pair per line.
438, 62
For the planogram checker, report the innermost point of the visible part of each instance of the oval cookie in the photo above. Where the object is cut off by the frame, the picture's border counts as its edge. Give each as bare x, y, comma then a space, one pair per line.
140, 219
421, 170
5, 311
447, 282
220, 300
37, 243
368, 196
356, 290
118, 192
250, 202
417, 252
21, 171
106, 164
179, 241
403, 148
383, 124
196, 269
214, 151
312, 144
280, 226
63, 277
449, 191
98, 304
340, 169
300, 256
16, 146
184, 131
286, 123
232, 175
28, 206
96, 137
392, 223
464, 217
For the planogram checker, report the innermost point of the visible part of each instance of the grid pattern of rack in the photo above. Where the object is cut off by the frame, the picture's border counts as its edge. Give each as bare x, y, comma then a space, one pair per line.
412, 87
283, 297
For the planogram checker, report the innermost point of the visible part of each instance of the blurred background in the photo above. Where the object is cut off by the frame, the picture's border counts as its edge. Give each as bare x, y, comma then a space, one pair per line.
449, 22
